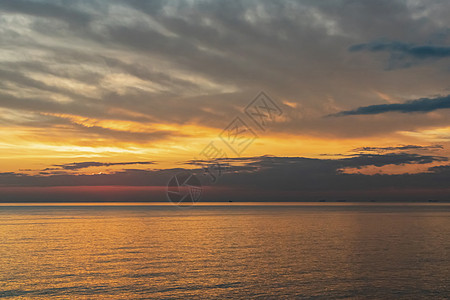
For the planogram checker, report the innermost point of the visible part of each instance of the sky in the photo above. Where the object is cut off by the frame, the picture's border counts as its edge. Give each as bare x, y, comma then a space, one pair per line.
280, 100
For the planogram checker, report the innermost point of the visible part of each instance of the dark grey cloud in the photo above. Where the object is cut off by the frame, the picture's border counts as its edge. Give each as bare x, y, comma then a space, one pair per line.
304, 179
398, 148
334, 165
87, 164
234, 167
62, 11
441, 169
417, 51
418, 105
380, 160
119, 178
248, 179
404, 54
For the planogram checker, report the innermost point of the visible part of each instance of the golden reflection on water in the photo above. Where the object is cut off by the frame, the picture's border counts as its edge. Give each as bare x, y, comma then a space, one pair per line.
218, 252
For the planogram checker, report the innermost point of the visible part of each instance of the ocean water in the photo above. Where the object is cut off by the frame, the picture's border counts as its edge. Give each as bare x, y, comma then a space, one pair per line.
230, 251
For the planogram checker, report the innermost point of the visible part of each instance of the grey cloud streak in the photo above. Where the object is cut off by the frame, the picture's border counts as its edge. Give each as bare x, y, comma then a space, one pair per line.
419, 105
398, 148
404, 54
82, 165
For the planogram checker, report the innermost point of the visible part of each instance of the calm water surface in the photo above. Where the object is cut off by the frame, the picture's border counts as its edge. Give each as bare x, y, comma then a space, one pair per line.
319, 251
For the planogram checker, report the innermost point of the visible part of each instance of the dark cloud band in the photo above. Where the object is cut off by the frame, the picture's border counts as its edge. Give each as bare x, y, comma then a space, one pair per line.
416, 51
82, 165
419, 105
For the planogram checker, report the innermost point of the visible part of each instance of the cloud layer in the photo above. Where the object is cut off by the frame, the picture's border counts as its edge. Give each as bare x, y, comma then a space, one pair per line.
301, 178
201, 61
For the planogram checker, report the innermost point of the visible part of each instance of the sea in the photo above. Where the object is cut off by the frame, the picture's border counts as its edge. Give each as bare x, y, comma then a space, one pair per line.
225, 251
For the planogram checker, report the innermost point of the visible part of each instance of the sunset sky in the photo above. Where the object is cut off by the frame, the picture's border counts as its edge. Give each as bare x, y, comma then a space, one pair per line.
106, 100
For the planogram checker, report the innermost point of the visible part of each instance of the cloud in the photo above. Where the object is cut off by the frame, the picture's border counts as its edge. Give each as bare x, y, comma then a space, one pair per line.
440, 170
262, 178
235, 166
82, 165
199, 61
65, 13
419, 105
417, 51
398, 148
403, 55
